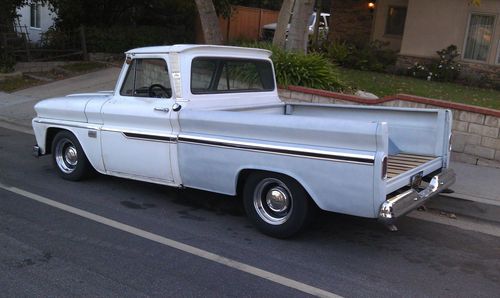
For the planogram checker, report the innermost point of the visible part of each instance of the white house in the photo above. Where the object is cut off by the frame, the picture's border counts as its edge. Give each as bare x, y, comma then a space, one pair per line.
37, 18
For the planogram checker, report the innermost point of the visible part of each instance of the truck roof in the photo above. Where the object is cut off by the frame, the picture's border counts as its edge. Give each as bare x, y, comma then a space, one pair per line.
203, 50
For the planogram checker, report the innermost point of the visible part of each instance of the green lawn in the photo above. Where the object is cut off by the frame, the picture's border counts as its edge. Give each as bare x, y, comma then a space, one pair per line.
383, 84
16, 83
77, 68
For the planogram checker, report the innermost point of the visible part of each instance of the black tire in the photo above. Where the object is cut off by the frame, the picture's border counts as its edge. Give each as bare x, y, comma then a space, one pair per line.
68, 157
263, 197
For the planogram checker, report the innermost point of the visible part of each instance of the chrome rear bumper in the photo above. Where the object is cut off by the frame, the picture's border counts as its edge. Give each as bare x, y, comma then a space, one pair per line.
409, 200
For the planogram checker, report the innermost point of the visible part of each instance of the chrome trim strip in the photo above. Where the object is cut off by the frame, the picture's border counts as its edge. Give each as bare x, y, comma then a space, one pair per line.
136, 134
71, 124
285, 150
98, 127
149, 137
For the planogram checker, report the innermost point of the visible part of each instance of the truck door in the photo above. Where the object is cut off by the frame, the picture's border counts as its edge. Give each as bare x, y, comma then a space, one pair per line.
136, 132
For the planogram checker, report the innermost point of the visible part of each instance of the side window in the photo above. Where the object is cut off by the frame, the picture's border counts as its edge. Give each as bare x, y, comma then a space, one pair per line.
225, 75
202, 73
147, 78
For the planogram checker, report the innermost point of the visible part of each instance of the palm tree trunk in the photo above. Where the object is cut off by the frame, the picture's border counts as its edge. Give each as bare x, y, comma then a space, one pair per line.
298, 34
209, 22
282, 25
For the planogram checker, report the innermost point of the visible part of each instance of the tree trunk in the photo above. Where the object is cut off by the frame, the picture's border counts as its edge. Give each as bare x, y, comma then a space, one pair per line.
282, 25
298, 34
209, 22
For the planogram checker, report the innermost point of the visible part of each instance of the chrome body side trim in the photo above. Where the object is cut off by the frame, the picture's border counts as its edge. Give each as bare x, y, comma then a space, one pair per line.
150, 137
68, 123
285, 150
409, 200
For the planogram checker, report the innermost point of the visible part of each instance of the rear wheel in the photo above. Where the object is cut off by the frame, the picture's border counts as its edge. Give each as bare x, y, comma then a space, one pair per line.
68, 157
277, 204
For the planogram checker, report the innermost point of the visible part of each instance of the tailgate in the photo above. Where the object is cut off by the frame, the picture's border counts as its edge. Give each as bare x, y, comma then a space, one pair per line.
402, 167
400, 163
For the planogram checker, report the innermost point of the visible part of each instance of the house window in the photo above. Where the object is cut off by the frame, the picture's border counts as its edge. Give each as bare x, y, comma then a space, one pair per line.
35, 15
396, 17
479, 36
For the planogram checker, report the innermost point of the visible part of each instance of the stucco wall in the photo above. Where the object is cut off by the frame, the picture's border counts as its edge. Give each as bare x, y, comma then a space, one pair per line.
433, 25
46, 21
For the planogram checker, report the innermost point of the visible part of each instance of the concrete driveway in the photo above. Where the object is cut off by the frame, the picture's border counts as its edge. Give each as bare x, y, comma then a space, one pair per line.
17, 107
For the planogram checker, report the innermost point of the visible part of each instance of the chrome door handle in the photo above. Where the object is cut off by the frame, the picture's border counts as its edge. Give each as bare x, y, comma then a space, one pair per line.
166, 110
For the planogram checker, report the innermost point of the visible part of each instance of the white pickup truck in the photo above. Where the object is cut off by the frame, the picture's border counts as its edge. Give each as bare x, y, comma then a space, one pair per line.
209, 117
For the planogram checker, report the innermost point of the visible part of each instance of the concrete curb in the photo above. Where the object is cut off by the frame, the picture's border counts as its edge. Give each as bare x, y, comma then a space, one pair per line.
465, 207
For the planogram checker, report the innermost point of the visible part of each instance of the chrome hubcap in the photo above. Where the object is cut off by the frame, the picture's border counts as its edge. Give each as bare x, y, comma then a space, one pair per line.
71, 156
66, 156
273, 201
277, 199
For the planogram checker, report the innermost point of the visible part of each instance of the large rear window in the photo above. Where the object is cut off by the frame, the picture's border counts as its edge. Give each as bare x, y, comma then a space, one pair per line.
226, 75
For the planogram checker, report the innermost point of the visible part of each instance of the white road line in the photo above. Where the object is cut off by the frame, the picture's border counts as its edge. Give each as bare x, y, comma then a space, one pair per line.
175, 244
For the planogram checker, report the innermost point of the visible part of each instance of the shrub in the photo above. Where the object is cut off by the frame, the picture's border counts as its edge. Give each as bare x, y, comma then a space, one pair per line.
373, 56
311, 70
445, 69
420, 71
117, 39
7, 62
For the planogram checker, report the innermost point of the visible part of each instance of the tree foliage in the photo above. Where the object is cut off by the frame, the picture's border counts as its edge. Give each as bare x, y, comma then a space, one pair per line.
96, 13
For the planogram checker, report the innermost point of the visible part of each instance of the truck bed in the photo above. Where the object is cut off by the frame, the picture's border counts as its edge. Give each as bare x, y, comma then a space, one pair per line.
401, 163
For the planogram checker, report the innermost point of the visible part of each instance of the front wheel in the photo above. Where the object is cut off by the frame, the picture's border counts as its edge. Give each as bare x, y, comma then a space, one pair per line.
277, 204
68, 157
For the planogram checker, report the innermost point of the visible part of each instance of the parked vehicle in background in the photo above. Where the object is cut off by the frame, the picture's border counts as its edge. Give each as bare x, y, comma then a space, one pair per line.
209, 117
269, 29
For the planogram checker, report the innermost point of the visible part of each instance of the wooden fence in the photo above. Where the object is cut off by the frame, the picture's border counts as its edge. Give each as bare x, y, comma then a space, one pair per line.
244, 23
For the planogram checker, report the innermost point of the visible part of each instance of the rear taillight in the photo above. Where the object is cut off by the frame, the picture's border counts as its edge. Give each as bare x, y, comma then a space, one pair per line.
384, 168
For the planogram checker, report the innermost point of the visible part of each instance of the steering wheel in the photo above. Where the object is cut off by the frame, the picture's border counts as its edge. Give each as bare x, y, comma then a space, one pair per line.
158, 93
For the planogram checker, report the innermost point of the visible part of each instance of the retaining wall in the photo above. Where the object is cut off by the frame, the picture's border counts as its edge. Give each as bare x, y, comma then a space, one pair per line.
476, 130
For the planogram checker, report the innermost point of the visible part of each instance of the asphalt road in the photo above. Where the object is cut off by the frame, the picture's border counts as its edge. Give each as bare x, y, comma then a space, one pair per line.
46, 251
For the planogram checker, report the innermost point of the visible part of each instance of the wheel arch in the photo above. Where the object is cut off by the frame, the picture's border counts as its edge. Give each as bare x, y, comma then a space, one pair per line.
91, 151
244, 172
50, 135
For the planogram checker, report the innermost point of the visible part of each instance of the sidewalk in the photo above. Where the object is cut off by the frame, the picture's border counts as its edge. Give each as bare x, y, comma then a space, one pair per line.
476, 183
17, 107
476, 191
